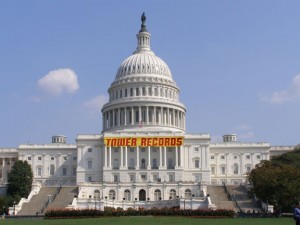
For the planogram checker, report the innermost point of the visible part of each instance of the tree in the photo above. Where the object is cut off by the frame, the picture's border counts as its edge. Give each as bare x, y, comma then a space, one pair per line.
20, 180
277, 183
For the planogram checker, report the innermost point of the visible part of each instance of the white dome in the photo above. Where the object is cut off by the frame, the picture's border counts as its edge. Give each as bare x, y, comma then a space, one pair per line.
143, 62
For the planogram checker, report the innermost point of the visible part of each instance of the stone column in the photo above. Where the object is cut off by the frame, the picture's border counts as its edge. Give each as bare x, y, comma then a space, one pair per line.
147, 115
149, 158
137, 157
125, 116
132, 115
126, 156
109, 156
122, 159
165, 156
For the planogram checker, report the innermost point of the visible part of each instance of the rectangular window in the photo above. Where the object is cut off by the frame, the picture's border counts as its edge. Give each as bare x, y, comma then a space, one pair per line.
90, 149
65, 158
125, 93
52, 158
197, 178
197, 163
171, 178
74, 171
247, 156
132, 177
116, 178
213, 170
74, 157
223, 170
90, 164
39, 171
222, 156
248, 169
212, 157
29, 158
258, 156
39, 158
196, 149
64, 172
144, 177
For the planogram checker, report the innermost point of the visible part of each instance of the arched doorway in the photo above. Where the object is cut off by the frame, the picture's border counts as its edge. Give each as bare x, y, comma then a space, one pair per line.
142, 195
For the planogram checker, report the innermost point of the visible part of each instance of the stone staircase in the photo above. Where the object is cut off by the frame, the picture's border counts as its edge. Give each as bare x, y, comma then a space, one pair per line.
240, 194
37, 202
220, 198
63, 198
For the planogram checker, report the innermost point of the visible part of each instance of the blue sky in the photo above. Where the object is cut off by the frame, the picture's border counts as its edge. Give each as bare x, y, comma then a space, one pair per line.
237, 64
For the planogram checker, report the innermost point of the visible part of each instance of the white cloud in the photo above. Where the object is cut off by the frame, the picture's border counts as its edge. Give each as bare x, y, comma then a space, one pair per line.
59, 81
291, 94
96, 103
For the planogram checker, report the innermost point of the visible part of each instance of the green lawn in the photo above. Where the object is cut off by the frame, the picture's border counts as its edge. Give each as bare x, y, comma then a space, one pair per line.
151, 221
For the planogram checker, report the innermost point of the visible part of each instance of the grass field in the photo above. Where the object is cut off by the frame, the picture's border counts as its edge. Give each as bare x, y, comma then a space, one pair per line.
151, 221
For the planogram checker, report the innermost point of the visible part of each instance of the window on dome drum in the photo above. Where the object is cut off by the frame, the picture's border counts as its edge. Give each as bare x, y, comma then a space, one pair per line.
137, 92
155, 92
150, 91
157, 195
137, 120
121, 94
131, 92
187, 193
127, 195
112, 195
150, 116
117, 94
144, 91
125, 94
143, 115
172, 194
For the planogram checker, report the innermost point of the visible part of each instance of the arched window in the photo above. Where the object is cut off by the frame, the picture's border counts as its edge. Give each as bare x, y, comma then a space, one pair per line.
188, 193
172, 194
96, 194
142, 195
157, 195
127, 195
52, 170
112, 195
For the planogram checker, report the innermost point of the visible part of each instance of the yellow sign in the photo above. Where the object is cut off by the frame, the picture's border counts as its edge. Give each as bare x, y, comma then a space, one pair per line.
143, 141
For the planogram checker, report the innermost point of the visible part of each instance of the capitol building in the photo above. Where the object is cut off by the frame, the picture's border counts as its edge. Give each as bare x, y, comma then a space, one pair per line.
144, 155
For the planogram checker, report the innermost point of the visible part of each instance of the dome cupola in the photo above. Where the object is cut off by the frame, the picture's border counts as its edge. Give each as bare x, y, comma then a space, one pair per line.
143, 95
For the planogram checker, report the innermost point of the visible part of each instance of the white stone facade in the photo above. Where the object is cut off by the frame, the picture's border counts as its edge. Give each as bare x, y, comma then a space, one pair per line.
143, 102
